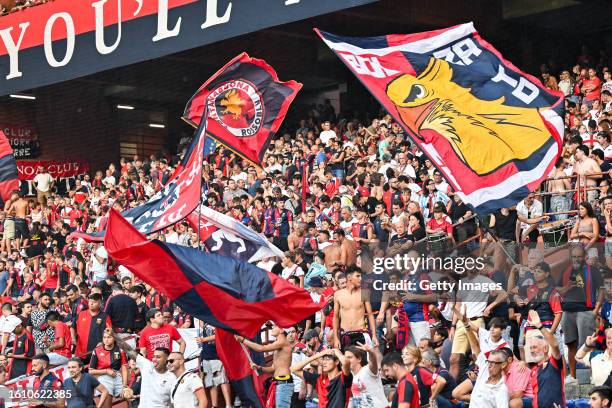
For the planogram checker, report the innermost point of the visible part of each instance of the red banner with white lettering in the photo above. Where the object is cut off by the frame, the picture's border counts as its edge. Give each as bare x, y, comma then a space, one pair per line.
27, 170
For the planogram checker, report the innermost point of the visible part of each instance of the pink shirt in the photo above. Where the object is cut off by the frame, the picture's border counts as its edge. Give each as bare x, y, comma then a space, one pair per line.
519, 381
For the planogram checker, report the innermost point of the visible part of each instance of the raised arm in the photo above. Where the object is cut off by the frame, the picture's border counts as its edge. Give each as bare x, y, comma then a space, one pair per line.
129, 350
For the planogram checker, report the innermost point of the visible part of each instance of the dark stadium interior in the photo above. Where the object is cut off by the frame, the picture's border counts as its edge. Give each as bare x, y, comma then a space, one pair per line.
79, 118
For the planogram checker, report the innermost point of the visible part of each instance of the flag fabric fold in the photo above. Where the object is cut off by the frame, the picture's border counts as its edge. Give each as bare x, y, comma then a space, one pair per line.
223, 292
244, 380
179, 197
9, 181
224, 235
494, 131
246, 104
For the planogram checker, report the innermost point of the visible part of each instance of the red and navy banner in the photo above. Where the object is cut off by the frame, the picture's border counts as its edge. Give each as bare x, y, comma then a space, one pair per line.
223, 292
494, 131
8, 169
244, 380
177, 199
27, 170
226, 236
246, 105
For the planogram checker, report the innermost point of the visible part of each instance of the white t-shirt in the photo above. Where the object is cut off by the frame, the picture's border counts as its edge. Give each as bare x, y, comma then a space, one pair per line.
297, 381
155, 388
490, 395
43, 181
367, 390
99, 270
184, 396
486, 345
326, 136
536, 210
474, 300
295, 270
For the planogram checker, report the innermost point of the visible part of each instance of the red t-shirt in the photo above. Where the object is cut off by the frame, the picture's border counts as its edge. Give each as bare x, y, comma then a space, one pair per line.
51, 274
63, 331
151, 338
444, 226
596, 92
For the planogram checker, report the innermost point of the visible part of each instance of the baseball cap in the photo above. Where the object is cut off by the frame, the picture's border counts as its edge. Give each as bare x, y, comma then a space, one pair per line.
315, 282
12, 321
311, 334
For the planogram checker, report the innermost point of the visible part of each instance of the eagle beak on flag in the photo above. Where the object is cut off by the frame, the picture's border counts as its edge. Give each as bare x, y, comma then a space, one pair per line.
415, 116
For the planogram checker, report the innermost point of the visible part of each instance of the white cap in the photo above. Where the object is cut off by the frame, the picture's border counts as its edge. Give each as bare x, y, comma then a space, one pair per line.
12, 321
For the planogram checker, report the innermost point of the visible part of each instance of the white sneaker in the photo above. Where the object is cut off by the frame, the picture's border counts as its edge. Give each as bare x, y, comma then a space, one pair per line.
570, 380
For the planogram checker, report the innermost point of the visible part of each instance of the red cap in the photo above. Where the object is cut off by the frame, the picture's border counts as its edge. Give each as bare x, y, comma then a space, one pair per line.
363, 192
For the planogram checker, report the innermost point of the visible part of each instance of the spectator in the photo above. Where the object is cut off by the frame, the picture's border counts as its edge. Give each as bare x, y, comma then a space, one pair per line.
158, 335
81, 387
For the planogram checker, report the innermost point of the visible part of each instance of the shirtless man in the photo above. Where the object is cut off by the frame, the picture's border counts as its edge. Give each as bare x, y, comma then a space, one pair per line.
9, 221
348, 249
281, 364
585, 165
559, 185
350, 312
294, 239
22, 209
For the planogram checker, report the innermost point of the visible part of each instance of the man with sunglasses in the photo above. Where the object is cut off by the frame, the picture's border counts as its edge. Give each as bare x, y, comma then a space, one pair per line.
492, 392
188, 390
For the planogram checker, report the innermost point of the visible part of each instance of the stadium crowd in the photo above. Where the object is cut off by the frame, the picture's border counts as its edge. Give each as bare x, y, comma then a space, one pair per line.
511, 319
11, 6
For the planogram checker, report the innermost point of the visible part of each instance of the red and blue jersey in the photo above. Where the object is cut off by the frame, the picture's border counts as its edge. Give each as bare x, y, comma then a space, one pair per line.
407, 391
417, 311
547, 383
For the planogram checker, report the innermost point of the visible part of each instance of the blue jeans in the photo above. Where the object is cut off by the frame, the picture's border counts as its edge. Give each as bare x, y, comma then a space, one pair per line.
284, 391
443, 402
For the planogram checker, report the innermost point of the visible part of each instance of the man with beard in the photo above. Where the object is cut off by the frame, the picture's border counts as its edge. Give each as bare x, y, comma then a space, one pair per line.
282, 348
80, 387
46, 385
157, 381
188, 390
407, 391
547, 375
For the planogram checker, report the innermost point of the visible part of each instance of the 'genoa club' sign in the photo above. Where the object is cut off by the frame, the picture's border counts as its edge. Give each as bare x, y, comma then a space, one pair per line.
66, 39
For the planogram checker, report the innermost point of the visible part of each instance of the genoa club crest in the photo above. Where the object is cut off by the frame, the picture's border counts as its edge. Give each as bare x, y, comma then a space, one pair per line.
247, 104
237, 106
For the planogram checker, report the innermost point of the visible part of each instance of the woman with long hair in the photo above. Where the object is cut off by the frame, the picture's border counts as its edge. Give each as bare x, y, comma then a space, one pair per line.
586, 229
425, 379
109, 365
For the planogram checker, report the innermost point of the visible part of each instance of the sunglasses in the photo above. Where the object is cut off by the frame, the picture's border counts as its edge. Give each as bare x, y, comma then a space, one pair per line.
495, 362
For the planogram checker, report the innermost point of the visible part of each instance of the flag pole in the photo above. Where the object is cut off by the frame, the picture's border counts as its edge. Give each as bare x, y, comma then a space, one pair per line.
205, 117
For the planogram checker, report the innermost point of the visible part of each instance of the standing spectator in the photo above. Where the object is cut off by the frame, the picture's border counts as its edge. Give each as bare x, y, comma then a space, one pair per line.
157, 334
157, 381
121, 309
23, 351
407, 391
82, 386
188, 390
547, 376
491, 391
578, 286
334, 381
109, 364
37, 324
367, 388
46, 384
43, 182
90, 326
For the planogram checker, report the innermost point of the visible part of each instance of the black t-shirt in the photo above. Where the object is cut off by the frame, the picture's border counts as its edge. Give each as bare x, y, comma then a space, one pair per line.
337, 389
506, 224
500, 310
122, 310
447, 391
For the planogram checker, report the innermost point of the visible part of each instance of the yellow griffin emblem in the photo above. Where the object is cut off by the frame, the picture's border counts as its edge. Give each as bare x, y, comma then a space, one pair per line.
485, 135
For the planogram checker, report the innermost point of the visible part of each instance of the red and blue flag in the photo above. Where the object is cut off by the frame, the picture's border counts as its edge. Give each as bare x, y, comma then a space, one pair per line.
494, 131
235, 296
246, 104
